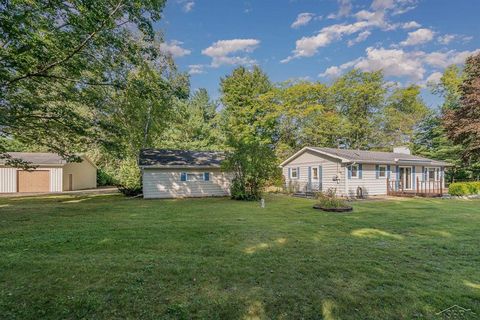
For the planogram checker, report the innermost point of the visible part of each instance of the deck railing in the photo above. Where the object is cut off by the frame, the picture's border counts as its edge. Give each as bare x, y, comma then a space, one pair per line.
424, 188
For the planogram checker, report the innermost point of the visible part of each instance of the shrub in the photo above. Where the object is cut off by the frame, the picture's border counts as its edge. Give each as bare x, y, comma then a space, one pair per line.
329, 199
464, 188
104, 178
129, 178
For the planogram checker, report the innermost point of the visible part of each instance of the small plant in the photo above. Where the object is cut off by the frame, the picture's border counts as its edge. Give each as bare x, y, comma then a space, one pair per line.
329, 199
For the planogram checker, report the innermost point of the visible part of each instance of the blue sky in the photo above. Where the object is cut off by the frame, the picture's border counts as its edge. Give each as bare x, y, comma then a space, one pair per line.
318, 40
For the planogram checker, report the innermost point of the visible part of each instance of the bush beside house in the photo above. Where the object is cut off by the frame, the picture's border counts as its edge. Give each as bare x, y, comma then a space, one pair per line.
464, 188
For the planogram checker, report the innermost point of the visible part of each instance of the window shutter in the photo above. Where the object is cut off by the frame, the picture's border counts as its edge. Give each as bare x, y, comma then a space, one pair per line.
298, 172
320, 173
388, 171
349, 168
206, 176
377, 171
289, 173
183, 176
360, 171
309, 174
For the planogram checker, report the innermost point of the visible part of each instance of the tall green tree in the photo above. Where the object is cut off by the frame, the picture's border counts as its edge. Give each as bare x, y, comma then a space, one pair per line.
248, 130
194, 126
431, 139
462, 123
403, 112
57, 60
304, 116
359, 97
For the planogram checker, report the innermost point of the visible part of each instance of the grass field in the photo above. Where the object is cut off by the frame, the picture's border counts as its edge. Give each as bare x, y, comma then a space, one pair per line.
109, 257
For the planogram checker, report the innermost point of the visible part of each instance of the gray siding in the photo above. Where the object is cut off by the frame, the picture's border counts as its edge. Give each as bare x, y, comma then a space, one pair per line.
330, 168
166, 183
369, 183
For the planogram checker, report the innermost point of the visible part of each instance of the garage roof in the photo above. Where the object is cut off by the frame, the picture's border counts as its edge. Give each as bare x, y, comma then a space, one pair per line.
180, 158
37, 158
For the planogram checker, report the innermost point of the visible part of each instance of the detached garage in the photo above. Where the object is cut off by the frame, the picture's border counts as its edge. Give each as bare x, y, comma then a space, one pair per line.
51, 173
183, 173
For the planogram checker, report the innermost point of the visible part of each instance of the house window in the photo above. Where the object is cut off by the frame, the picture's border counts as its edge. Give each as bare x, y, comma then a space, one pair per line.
431, 174
354, 170
315, 173
294, 173
382, 171
186, 176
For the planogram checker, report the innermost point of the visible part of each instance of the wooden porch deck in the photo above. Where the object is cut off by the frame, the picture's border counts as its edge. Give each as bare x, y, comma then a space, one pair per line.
428, 189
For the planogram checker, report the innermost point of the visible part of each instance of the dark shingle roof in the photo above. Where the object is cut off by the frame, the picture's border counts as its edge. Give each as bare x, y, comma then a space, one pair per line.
376, 156
37, 158
186, 158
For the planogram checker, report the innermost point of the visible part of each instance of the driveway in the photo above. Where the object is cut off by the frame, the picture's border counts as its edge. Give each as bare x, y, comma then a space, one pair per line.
101, 190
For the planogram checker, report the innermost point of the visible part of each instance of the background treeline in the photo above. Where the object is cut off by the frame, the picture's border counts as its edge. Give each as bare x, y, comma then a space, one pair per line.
89, 76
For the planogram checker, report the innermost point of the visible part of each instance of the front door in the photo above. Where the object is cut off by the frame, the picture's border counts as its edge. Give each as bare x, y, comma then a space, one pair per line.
406, 178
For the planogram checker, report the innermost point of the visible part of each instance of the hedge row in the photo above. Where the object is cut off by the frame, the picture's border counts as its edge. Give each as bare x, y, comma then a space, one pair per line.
464, 188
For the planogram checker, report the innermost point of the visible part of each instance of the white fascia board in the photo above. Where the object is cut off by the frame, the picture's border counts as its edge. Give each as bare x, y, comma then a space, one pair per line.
296, 154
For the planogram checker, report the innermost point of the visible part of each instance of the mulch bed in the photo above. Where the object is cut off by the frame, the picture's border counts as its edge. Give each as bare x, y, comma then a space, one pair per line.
342, 209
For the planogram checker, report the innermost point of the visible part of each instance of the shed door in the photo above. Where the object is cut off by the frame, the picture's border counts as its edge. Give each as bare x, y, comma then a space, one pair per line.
33, 181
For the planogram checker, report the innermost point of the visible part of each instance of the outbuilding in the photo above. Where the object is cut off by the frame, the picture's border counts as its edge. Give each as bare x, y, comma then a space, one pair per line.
49, 173
183, 173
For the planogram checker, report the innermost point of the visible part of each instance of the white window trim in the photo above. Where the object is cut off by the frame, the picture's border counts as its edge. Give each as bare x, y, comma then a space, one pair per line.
436, 173
197, 175
291, 173
351, 170
382, 166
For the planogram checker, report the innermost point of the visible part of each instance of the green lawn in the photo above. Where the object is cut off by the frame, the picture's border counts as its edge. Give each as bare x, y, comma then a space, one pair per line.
111, 257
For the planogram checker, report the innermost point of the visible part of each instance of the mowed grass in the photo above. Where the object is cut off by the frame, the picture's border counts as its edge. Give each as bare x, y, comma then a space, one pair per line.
104, 257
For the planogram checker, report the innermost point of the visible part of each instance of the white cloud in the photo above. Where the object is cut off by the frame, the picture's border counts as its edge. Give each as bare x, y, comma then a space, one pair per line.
447, 38
367, 20
196, 69
434, 78
411, 25
188, 6
302, 19
331, 72
362, 36
308, 46
221, 51
399, 63
444, 59
419, 36
343, 11
174, 48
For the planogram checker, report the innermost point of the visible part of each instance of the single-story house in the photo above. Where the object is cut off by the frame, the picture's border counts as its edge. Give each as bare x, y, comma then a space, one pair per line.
351, 172
50, 173
183, 173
